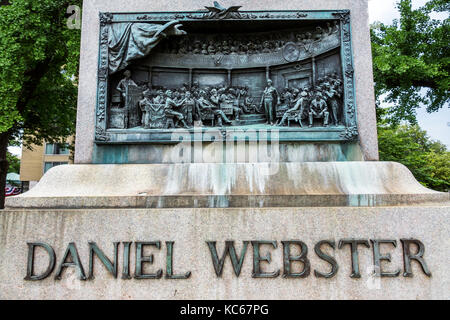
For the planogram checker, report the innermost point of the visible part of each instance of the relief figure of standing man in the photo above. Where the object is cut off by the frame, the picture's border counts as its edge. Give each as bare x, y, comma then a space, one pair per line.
129, 93
270, 100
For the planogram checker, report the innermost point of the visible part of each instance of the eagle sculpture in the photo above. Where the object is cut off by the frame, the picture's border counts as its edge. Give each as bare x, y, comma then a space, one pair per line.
219, 12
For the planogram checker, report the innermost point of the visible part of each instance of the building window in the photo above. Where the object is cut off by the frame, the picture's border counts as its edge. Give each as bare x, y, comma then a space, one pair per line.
49, 165
52, 148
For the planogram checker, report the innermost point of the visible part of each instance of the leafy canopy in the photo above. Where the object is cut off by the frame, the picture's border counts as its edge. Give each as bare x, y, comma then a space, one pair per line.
410, 57
14, 163
428, 160
38, 57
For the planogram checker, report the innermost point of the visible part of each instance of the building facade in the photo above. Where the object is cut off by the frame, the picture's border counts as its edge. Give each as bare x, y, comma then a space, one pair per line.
37, 161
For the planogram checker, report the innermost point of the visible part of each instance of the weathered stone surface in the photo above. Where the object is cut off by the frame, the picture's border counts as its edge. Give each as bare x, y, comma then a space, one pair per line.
241, 152
191, 228
305, 191
87, 152
213, 185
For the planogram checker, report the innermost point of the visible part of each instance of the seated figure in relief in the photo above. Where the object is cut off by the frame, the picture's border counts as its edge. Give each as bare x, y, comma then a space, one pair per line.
215, 103
297, 110
211, 106
319, 110
169, 108
228, 99
245, 102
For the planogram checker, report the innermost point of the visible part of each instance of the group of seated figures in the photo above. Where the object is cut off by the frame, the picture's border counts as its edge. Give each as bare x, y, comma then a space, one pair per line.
311, 102
248, 44
163, 108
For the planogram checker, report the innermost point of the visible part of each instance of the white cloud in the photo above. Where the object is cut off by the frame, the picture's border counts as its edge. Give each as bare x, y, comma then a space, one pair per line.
383, 11
17, 151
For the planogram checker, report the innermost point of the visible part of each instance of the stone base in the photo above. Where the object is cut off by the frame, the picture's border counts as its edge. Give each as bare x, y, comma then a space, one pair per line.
227, 185
189, 229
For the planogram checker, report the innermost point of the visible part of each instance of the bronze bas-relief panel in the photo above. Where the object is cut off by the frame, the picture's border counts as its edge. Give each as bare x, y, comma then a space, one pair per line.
289, 72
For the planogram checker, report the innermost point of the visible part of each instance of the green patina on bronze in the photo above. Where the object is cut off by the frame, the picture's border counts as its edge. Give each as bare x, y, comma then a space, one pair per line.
136, 41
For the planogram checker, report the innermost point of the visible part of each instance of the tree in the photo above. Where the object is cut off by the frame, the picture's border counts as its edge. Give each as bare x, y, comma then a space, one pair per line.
38, 60
428, 160
410, 57
13, 162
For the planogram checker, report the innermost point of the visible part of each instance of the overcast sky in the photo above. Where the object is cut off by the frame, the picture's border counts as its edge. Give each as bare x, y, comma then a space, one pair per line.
437, 124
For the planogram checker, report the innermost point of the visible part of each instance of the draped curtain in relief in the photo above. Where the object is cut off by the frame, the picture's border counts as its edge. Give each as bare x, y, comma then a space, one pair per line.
130, 41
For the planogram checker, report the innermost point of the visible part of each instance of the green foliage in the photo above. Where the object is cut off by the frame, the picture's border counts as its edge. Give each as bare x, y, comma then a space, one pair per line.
38, 58
14, 163
428, 160
411, 55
